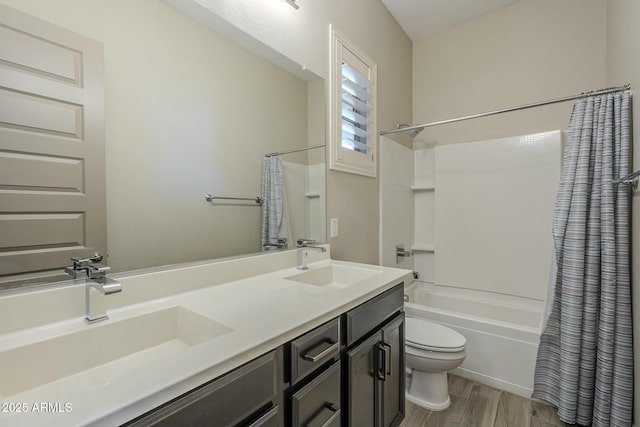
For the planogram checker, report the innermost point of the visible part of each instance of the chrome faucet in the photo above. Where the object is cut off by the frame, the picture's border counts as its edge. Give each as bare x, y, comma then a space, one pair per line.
303, 252
98, 285
281, 244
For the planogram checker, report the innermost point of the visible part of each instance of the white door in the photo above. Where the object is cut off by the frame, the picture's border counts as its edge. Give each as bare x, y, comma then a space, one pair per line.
52, 172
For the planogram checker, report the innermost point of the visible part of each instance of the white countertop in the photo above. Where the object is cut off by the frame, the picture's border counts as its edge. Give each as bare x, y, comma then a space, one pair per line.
262, 313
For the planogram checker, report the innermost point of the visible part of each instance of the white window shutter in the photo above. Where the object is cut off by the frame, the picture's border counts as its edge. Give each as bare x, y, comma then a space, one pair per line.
352, 108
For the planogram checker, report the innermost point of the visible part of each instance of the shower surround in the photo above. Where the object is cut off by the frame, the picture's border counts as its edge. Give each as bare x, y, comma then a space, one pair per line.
477, 216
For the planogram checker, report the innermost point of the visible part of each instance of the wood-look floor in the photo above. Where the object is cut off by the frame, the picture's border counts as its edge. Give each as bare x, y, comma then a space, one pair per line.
477, 405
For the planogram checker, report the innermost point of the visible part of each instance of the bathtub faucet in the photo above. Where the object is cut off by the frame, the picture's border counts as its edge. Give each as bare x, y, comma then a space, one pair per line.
401, 253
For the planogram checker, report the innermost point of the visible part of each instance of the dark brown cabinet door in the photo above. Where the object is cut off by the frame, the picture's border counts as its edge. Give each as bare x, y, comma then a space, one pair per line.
392, 386
362, 393
375, 376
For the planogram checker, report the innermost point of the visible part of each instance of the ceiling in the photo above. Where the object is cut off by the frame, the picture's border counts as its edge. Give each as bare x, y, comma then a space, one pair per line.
420, 18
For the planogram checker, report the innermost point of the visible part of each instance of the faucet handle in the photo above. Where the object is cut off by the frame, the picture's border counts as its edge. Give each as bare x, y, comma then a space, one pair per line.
304, 242
81, 266
75, 272
97, 271
79, 263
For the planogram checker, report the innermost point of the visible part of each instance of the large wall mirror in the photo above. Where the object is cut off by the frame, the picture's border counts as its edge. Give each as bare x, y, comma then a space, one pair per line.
190, 112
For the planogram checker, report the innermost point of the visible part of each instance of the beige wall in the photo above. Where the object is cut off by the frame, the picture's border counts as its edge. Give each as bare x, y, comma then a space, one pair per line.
534, 50
186, 113
303, 36
623, 66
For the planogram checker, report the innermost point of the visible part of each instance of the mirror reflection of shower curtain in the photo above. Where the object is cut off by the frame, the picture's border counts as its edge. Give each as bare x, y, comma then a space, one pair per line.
273, 223
286, 229
293, 181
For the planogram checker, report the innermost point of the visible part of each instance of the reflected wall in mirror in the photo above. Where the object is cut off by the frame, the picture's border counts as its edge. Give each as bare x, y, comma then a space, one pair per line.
189, 112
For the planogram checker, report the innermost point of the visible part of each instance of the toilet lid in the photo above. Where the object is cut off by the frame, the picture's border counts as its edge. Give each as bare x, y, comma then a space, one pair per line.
431, 336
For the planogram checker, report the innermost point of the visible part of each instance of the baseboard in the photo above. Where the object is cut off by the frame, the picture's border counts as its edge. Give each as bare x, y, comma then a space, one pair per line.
493, 382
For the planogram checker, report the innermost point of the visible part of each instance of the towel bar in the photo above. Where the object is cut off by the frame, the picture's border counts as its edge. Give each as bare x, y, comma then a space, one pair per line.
210, 197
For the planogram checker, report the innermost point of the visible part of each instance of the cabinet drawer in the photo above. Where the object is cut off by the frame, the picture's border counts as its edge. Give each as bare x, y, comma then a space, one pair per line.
267, 419
226, 401
366, 317
314, 349
318, 403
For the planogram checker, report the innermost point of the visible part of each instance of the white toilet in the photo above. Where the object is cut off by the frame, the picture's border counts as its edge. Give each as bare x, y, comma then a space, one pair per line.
430, 351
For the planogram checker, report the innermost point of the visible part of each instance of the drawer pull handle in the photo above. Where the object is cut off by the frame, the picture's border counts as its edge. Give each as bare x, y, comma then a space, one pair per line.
314, 358
335, 414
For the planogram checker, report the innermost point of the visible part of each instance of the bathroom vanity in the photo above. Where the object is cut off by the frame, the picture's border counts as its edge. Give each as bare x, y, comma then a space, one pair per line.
348, 371
250, 341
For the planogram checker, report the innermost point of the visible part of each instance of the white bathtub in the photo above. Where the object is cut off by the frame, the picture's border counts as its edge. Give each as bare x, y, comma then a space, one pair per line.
502, 332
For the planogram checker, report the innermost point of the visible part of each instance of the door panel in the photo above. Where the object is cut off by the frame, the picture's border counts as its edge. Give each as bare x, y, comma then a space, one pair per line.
34, 113
40, 56
52, 173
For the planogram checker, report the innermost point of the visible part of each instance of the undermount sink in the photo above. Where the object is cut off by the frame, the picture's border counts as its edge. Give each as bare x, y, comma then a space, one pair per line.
168, 331
337, 275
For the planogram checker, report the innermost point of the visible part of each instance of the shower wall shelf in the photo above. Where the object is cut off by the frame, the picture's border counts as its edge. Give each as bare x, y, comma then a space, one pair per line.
424, 193
423, 188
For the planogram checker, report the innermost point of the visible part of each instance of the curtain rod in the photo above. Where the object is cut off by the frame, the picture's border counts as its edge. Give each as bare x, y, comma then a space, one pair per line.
507, 110
293, 151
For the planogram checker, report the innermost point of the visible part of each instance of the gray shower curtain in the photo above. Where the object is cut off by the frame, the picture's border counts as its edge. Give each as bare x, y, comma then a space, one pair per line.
585, 359
272, 219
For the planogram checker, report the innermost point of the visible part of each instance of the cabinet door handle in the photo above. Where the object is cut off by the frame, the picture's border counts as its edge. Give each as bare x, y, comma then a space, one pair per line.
387, 348
381, 367
266, 417
335, 413
315, 357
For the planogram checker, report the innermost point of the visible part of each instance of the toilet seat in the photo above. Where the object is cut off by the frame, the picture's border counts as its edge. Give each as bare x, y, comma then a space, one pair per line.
429, 336
434, 349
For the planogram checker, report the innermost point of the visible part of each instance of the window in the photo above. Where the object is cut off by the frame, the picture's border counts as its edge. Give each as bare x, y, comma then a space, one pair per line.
352, 108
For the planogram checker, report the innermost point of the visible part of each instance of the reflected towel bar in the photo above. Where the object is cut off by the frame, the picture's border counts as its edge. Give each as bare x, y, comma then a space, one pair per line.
210, 197
278, 153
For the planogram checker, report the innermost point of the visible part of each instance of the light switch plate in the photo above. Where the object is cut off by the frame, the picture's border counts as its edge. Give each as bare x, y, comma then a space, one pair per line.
334, 227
